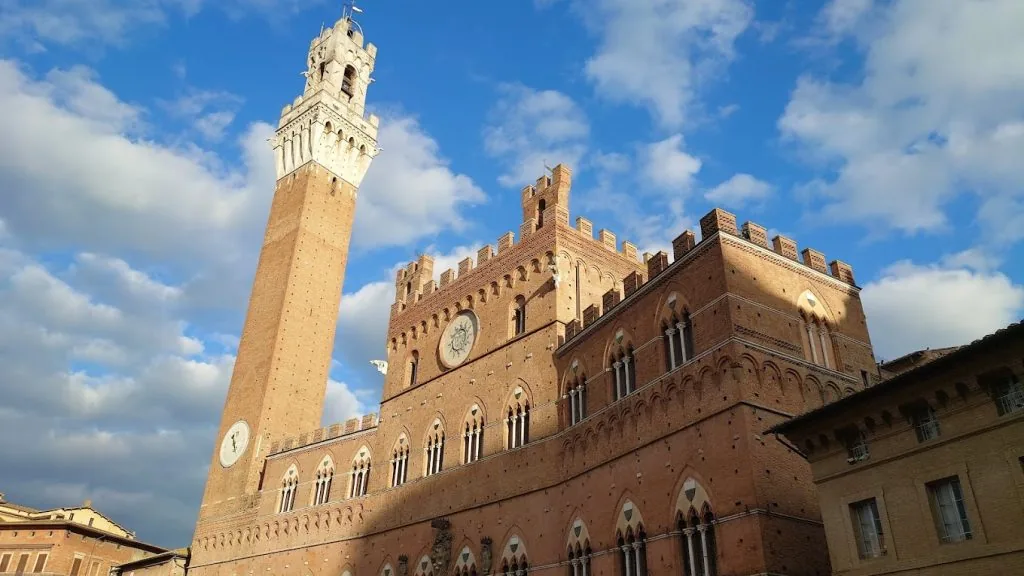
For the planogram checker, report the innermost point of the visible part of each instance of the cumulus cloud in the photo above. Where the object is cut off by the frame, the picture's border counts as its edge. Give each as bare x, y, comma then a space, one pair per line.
935, 114
118, 351
912, 306
367, 310
410, 190
36, 24
658, 53
739, 191
668, 166
529, 128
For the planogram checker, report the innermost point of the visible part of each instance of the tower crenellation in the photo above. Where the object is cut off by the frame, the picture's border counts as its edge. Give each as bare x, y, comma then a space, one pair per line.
327, 123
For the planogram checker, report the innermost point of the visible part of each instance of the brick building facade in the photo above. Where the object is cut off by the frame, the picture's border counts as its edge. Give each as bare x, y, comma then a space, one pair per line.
559, 405
924, 473
72, 541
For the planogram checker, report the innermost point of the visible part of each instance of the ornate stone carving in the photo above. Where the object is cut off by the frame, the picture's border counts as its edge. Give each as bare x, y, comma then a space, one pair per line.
441, 551
486, 556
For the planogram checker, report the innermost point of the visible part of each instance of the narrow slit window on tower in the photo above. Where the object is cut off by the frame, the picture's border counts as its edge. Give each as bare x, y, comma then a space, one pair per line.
414, 366
540, 213
519, 316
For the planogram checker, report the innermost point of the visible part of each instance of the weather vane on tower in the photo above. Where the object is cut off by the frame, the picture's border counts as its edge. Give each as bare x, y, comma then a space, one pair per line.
349, 8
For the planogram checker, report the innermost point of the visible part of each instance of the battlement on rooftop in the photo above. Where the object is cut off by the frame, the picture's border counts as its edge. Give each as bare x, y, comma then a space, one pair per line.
545, 209
713, 223
347, 428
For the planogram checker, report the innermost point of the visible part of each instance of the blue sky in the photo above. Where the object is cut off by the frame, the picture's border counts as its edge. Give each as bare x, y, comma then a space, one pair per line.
135, 180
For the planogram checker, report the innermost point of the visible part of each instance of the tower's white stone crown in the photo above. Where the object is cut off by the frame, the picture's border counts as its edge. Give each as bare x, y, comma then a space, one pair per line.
327, 124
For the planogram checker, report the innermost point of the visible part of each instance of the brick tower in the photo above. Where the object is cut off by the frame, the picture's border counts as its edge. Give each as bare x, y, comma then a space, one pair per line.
323, 147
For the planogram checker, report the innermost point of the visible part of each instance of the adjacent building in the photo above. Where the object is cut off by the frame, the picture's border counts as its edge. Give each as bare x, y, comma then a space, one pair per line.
559, 404
75, 541
924, 473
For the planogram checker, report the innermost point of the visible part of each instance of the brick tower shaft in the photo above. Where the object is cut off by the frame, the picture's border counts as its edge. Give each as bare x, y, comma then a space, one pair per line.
323, 148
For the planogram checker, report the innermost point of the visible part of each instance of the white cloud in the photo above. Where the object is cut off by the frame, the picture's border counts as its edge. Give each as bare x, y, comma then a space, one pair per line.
936, 114
529, 128
209, 112
668, 166
93, 23
410, 191
364, 314
911, 307
658, 53
107, 353
738, 191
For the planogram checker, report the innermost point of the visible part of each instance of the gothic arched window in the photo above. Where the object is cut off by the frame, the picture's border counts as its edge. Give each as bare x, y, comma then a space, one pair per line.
473, 439
519, 316
289, 484
400, 462
623, 370
577, 392
324, 477
360, 473
435, 450
518, 422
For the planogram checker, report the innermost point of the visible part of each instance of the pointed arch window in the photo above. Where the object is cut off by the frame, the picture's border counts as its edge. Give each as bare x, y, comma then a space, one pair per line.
518, 422
623, 373
517, 567
324, 477
400, 462
414, 366
435, 451
360, 474
698, 542
289, 485
577, 400
579, 559
816, 334
473, 439
633, 552
519, 316
678, 340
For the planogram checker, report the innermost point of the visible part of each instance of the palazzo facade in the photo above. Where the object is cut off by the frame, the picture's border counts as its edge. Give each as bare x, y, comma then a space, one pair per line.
558, 405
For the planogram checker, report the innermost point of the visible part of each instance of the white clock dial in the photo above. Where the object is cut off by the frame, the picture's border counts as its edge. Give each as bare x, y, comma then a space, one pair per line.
458, 339
234, 443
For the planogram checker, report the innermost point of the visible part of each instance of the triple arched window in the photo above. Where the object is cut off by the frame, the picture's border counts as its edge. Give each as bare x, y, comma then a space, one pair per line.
579, 559
322, 487
623, 372
633, 551
400, 462
518, 421
816, 333
360, 473
577, 392
289, 485
678, 340
473, 438
435, 450
698, 543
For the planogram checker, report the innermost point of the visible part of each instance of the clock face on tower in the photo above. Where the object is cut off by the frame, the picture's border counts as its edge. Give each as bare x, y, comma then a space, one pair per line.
458, 339
235, 441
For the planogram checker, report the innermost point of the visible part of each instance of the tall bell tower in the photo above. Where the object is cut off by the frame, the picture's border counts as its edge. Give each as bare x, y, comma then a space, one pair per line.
323, 147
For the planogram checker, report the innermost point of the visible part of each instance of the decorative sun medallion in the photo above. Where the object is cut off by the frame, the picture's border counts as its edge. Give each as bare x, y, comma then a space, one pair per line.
458, 338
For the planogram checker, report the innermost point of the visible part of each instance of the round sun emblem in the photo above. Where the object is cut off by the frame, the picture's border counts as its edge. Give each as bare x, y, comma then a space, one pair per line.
458, 339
